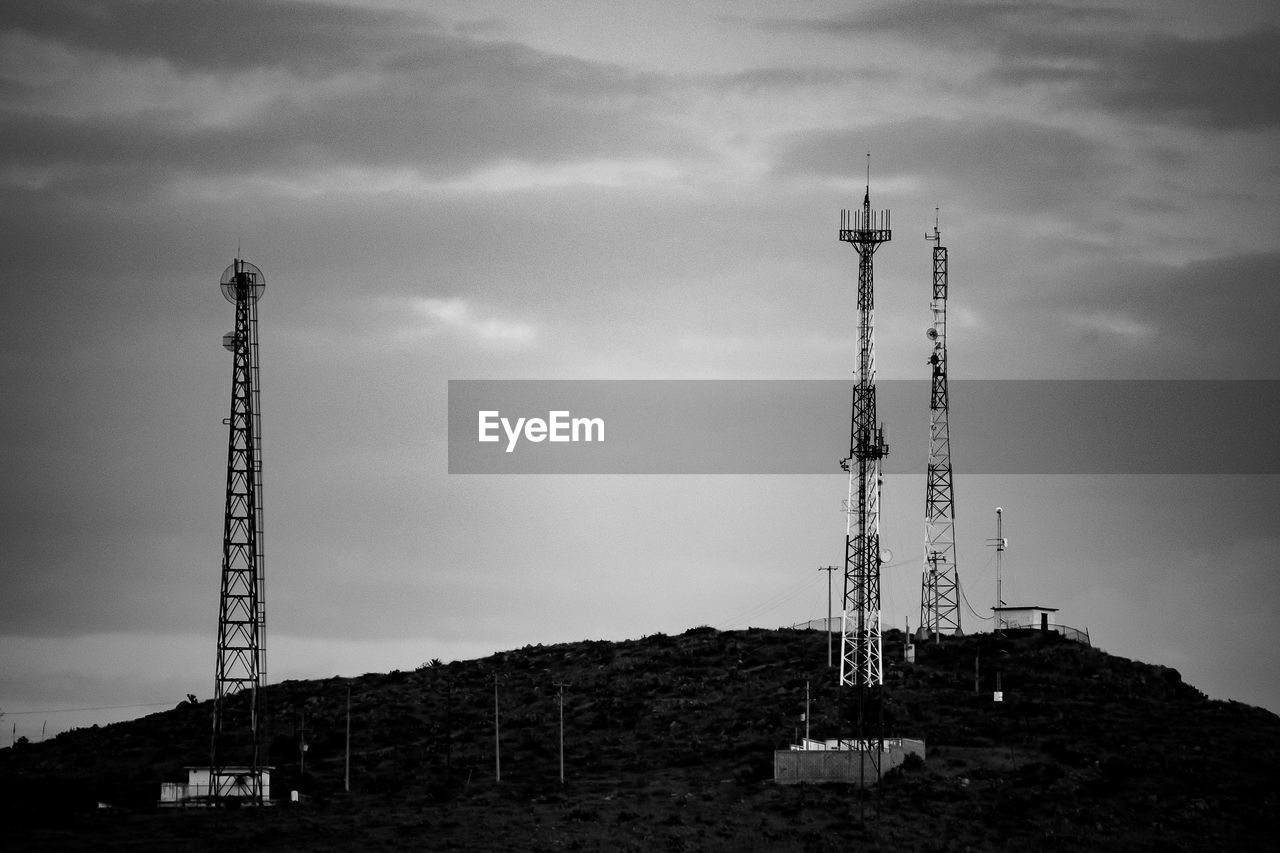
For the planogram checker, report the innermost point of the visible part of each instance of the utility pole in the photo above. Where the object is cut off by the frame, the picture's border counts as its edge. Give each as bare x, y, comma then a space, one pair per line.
806, 711
560, 700
497, 742
346, 773
828, 570
448, 729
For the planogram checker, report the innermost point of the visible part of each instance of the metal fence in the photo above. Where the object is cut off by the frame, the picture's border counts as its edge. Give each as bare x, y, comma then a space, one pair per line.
1074, 634
234, 786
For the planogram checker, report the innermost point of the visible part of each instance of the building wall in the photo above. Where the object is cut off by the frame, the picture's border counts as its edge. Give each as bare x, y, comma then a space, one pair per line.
846, 765
1027, 617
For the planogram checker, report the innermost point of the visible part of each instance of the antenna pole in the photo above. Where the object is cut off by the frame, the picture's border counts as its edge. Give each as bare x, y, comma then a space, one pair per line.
860, 654
939, 584
560, 685
497, 740
999, 542
828, 570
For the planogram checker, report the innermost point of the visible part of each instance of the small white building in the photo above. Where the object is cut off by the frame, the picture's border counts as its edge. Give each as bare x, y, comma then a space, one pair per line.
235, 782
1033, 616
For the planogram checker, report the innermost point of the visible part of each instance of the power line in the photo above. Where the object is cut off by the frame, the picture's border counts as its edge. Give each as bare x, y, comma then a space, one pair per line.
965, 598
767, 605
97, 708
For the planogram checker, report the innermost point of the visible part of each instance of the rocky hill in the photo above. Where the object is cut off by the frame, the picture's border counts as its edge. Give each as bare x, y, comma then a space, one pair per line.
668, 745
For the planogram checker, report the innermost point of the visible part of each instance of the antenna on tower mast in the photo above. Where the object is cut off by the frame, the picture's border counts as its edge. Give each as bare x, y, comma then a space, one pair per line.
939, 584
860, 652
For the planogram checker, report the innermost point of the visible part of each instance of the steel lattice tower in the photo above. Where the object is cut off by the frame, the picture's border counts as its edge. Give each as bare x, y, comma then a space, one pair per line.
242, 667
939, 598
860, 647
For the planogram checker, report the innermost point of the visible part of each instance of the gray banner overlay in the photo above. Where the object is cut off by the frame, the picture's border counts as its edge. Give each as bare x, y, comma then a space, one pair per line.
802, 426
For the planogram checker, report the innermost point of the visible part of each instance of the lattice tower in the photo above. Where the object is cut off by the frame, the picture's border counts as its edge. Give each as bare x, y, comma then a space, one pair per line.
939, 585
241, 667
860, 649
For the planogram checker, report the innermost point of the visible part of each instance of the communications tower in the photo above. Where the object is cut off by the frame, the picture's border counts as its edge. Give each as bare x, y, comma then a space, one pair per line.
236, 764
939, 585
860, 647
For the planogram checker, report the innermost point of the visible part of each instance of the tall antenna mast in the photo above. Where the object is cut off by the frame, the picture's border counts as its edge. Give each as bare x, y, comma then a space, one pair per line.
999, 542
860, 648
939, 599
242, 615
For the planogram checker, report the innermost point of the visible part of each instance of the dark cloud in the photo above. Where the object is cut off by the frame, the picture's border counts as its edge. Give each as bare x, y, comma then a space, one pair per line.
436, 103
958, 24
1088, 58
230, 35
776, 79
1127, 318
1229, 83
461, 103
997, 161
1208, 318
483, 28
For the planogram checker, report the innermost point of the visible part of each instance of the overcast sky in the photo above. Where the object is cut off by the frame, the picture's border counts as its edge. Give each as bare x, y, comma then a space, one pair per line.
498, 190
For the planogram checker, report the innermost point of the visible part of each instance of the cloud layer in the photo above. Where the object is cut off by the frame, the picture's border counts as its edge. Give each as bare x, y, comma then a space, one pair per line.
567, 193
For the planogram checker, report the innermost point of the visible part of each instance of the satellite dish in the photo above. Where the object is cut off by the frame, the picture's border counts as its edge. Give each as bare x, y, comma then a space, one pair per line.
229, 342
242, 275
932, 334
886, 555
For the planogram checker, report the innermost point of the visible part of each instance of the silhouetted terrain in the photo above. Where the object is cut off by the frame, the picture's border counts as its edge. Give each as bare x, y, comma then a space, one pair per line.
669, 746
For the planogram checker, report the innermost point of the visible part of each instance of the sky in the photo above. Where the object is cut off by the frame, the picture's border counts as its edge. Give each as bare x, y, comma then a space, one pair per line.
577, 190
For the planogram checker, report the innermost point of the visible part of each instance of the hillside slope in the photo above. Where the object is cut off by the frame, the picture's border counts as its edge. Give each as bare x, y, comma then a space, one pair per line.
668, 745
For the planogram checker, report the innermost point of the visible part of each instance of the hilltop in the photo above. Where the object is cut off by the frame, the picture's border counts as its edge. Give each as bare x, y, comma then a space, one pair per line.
668, 745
